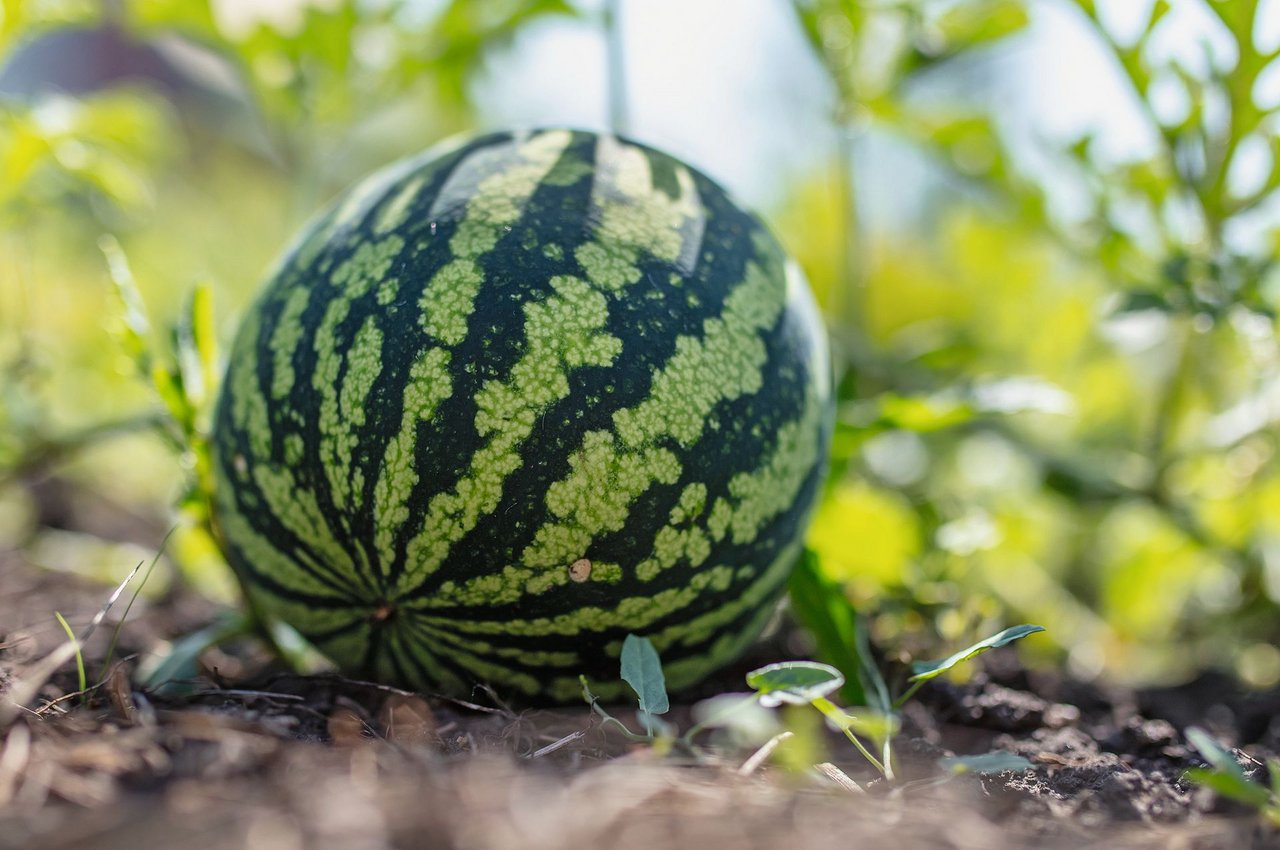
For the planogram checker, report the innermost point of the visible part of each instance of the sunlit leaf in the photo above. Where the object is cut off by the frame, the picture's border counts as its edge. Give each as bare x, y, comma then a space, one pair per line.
969, 25
794, 682
135, 329
923, 413
923, 670
197, 347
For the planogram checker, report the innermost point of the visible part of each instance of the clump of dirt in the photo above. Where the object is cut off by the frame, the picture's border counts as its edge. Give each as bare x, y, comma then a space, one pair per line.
248, 757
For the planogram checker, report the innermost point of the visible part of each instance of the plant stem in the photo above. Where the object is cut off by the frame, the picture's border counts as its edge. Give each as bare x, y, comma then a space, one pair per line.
908, 694
54, 449
853, 268
82, 680
615, 70
606, 717
829, 709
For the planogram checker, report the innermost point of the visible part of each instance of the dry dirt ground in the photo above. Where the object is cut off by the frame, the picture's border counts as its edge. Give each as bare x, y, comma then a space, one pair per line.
252, 758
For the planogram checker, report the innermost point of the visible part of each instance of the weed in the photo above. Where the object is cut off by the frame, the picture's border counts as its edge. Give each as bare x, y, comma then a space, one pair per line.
1227, 779
800, 683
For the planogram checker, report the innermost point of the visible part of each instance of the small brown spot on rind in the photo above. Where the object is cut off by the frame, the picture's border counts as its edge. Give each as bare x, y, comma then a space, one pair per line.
385, 611
580, 570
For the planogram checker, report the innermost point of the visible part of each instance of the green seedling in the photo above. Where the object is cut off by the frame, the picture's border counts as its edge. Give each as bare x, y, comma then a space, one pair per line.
809, 683
81, 680
1225, 777
641, 668
801, 682
923, 671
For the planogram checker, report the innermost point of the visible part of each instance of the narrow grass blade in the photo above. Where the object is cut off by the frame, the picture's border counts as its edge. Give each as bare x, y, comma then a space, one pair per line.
81, 679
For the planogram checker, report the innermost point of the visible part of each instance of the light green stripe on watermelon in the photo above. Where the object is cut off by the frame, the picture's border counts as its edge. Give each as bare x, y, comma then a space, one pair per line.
284, 341
447, 302
632, 612
295, 508
685, 671
248, 407
298, 511
596, 496
755, 497
364, 362
339, 435
393, 212
700, 629
498, 201
561, 333
635, 220
556, 343
475, 646
290, 570
609, 472
724, 364
429, 384
483, 669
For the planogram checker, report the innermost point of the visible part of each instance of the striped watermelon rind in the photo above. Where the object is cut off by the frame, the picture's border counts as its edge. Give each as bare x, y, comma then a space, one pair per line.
499, 407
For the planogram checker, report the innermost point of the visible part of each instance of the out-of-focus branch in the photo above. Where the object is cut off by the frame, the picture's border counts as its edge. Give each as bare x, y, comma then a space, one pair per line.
53, 450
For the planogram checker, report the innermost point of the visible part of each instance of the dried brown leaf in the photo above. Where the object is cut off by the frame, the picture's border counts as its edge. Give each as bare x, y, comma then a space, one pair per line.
408, 720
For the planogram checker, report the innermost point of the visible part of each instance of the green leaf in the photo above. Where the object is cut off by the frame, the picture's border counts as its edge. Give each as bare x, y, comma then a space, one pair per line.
642, 670
173, 672
197, 347
136, 329
821, 606
969, 25
923, 414
1230, 786
794, 682
1218, 756
995, 762
923, 670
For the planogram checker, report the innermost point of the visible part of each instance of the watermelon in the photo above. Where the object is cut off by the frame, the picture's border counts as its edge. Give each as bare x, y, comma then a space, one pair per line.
502, 405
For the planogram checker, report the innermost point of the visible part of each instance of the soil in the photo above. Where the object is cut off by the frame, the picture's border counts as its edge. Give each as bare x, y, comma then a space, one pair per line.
249, 756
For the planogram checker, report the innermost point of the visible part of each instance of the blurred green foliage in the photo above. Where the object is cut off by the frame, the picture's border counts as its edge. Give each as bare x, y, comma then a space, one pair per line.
1059, 389
1067, 414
